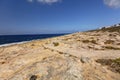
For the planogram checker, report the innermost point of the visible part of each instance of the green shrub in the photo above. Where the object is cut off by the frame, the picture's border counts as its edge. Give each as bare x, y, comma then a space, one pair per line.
56, 43
117, 61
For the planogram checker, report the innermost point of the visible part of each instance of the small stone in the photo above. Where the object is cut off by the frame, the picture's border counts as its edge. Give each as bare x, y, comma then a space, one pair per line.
85, 59
67, 55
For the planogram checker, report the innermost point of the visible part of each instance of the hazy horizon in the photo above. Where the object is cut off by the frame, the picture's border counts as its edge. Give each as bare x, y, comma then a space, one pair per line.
56, 16
35, 34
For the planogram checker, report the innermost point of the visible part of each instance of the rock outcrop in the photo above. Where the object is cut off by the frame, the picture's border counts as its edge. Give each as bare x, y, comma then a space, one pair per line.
69, 57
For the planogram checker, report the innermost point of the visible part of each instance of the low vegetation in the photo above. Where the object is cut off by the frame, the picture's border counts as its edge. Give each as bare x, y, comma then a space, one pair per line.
33, 77
118, 43
109, 42
32, 44
109, 29
89, 41
56, 43
112, 48
113, 64
85, 41
112, 29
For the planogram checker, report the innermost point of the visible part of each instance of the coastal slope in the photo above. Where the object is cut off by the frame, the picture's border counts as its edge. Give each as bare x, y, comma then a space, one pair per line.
91, 55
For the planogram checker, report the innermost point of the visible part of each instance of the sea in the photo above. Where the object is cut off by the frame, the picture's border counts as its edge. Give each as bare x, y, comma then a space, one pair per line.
11, 39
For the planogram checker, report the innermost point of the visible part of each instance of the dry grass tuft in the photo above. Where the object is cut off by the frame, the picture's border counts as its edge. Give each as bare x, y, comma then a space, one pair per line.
109, 42
113, 64
56, 43
112, 48
89, 41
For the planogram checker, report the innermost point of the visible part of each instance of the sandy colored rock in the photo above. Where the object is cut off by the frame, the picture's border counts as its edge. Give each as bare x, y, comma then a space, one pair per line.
69, 57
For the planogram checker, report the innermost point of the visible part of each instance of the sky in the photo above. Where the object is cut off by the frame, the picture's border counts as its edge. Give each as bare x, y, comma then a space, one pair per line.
56, 16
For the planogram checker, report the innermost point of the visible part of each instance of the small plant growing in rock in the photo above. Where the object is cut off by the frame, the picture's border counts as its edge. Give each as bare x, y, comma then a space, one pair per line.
118, 43
113, 64
32, 44
56, 43
90, 41
117, 61
94, 42
85, 41
109, 42
111, 47
33, 77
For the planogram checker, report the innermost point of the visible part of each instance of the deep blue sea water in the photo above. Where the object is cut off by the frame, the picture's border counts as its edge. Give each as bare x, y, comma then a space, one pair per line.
5, 39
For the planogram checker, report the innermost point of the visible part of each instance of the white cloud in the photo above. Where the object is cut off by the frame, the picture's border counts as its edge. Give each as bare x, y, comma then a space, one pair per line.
112, 3
30, 0
45, 1
48, 1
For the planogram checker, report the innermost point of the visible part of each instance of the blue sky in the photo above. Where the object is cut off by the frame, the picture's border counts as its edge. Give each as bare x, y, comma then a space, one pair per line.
56, 16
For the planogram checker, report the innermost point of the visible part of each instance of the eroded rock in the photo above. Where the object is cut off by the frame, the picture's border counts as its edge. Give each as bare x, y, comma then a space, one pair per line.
85, 59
